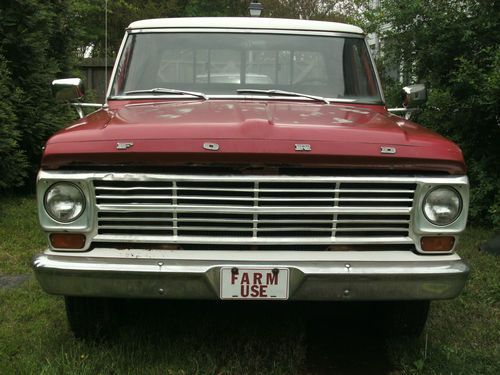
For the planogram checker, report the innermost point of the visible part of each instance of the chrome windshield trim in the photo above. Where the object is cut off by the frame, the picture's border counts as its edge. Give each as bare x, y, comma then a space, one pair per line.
245, 31
112, 77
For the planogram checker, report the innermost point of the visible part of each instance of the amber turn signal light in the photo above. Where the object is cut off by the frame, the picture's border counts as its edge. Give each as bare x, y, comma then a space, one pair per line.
437, 243
67, 240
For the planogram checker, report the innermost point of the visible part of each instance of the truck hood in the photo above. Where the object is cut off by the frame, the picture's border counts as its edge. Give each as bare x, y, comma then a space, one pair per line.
250, 132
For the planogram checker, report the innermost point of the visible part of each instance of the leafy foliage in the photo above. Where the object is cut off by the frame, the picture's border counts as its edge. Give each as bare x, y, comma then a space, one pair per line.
454, 47
350, 11
12, 159
89, 14
36, 44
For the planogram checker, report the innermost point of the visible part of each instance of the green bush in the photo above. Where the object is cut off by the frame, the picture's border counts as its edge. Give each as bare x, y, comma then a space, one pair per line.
37, 46
454, 47
13, 163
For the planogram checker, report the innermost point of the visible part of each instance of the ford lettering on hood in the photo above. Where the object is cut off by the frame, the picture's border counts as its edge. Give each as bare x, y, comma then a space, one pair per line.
249, 132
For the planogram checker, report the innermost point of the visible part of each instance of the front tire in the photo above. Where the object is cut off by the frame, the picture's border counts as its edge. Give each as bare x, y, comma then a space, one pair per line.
408, 318
89, 317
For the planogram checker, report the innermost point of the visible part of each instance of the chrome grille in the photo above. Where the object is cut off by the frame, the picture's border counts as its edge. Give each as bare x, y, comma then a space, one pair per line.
253, 209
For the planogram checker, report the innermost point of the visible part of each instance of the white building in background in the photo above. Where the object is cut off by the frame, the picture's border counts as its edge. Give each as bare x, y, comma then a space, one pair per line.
373, 38
375, 42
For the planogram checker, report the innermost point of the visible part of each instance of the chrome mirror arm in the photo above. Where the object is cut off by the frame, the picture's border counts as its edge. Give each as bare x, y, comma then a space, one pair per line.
79, 107
407, 112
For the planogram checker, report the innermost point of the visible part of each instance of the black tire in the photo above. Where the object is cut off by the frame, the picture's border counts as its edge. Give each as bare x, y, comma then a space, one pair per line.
408, 318
89, 317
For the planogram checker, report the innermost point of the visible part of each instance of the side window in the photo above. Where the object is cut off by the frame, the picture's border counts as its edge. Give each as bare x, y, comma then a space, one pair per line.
357, 70
265, 67
309, 68
200, 66
121, 71
363, 88
224, 66
261, 67
301, 68
284, 68
176, 66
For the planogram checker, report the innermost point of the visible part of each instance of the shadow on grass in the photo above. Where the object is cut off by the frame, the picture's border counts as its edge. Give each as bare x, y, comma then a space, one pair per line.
306, 338
348, 338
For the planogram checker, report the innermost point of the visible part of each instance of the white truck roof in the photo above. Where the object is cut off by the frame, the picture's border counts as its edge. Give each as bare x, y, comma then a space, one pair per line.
245, 23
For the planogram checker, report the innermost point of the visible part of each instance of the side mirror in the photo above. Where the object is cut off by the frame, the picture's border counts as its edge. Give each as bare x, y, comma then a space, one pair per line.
414, 95
68, 89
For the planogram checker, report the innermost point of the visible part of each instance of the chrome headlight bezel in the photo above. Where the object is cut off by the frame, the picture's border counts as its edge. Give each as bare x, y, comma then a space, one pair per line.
420, 225
50, 210
457, 205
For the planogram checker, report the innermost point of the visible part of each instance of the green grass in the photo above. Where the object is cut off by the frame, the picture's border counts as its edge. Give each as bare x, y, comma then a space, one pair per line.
20, 234
35, 339
462, 335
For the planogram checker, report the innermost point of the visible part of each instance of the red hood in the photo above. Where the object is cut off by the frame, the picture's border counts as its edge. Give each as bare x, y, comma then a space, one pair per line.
250, 132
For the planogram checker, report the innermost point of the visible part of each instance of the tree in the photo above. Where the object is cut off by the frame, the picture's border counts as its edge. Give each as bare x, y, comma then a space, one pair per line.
37, 46
89, 15
454, 47
349, 11
13, 162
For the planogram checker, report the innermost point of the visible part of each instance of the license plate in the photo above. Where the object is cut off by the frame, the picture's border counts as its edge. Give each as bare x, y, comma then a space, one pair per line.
253, 283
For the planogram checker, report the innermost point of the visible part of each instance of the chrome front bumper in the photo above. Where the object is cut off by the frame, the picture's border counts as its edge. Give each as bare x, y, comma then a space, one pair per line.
196, 275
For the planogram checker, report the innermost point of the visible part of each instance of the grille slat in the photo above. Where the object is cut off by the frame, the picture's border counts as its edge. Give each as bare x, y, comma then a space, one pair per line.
210, 228
215, 221
374, 221
133, 188
245, 209
132, 197
253, 210
118, 218
372, 229
259, 199
138, 227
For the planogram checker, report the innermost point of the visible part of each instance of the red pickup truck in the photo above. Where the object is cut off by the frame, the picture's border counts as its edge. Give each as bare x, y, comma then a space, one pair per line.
243, 158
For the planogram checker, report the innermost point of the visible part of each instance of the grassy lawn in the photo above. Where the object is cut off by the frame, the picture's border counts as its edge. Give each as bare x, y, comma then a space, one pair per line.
462, 335
20, 234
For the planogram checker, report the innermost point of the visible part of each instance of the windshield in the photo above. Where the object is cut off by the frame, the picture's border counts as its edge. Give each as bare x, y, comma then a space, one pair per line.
222, 63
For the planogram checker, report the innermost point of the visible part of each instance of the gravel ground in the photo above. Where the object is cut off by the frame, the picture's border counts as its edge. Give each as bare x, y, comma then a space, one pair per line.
13, 281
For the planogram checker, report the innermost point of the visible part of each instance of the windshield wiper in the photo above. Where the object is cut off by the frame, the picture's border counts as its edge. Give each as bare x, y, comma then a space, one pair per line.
161, 90
283, 93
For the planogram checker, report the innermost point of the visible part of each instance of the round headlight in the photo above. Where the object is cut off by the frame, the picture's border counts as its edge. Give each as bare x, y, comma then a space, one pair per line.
64, 202
442, 205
